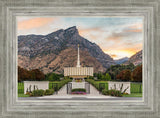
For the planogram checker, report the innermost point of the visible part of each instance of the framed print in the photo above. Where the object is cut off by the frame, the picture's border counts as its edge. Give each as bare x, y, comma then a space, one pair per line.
77, 62
79, 58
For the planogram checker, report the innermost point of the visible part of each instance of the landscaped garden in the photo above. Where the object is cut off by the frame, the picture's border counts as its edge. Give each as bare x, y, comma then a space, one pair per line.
102, 86
116, 73
53, 86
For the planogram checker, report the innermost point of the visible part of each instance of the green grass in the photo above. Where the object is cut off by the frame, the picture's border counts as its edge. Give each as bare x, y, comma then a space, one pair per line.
20, 88
23, 95
133, 95
136, 87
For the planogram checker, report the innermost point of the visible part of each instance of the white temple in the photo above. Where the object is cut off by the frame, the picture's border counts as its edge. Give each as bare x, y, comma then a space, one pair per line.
78, 72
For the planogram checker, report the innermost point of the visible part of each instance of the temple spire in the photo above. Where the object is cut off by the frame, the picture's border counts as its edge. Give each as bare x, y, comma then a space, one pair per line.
78, 59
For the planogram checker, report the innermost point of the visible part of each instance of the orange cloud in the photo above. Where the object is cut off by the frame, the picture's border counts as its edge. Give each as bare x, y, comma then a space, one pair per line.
113, 55
84, 31
123, 52
33, 23
134, 30
113, 38
136, 26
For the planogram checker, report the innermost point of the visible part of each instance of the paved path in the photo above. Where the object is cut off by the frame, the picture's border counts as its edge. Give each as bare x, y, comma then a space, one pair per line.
62, 94
93, 90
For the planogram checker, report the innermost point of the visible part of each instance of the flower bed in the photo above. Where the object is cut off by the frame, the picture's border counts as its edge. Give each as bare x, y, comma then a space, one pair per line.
79, 93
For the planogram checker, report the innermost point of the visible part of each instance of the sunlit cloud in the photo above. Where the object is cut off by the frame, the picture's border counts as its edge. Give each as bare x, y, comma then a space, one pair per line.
33, 23
117, 54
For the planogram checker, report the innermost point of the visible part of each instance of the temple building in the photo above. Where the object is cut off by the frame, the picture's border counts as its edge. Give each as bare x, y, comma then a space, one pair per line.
78, 72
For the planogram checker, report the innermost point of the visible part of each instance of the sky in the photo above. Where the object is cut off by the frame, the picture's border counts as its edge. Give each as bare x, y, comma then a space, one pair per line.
117, 36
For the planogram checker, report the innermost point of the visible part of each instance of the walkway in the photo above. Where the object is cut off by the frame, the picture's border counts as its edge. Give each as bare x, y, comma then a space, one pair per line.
93, 90
62, 94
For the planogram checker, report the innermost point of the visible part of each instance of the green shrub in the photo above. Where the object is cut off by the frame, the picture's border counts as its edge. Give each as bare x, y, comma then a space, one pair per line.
96, 84
79, 90
37, 93
112, 92
105, 92
49, 92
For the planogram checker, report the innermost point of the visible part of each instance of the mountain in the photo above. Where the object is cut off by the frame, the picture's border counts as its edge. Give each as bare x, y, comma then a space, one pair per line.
54, 51
122, 60
136, 59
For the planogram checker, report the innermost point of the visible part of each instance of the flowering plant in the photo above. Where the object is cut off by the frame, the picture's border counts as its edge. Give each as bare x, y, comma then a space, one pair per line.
79, 92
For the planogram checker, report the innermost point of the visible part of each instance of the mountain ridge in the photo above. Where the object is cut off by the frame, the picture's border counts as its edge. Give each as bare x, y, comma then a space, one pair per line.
45, 49
136, 59
121, 60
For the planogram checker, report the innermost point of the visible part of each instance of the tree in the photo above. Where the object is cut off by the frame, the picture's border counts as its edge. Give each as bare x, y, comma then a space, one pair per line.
137, 74
99, 76
53, 77
37, 75
124, 75
127, 75
114, 70
23, 74
108, 77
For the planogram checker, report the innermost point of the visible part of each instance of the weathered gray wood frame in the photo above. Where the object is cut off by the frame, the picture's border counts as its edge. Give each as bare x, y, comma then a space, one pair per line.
10, 106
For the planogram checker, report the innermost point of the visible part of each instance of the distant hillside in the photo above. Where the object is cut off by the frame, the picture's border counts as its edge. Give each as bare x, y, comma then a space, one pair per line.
52, 52
122, 60
135, 59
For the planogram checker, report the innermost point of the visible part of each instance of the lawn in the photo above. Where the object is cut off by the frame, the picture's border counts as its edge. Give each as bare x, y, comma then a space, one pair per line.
23, 95
136, 87
133, 95
21, 90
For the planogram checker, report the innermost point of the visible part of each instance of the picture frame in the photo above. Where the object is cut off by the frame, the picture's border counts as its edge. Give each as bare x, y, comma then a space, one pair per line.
12, 107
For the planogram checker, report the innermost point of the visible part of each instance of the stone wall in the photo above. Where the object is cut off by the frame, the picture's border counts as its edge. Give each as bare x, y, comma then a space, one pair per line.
117, 86
38, 84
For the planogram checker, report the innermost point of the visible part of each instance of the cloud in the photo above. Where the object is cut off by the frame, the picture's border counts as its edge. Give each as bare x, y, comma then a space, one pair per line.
124, 43
34, 23
136, 26
113, 55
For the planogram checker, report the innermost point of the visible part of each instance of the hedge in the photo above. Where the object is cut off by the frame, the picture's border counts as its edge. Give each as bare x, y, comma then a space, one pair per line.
49, 92
37, 93
60, 83
96, 84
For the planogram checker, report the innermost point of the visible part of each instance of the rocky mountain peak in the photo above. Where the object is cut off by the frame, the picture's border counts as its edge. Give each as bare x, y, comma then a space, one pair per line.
71, 31
136, 59
44, 50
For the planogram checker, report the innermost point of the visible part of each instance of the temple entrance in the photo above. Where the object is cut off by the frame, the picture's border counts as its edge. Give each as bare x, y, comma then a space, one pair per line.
78, 80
